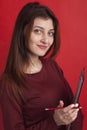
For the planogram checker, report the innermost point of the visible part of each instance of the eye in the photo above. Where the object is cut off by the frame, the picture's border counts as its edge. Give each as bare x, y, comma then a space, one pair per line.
38, 31
51, 34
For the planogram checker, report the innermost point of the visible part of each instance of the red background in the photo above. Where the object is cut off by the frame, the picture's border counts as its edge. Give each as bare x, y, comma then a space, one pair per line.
72, 57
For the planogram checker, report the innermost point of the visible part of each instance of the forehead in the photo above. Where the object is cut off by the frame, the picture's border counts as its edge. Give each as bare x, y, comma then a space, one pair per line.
44, 23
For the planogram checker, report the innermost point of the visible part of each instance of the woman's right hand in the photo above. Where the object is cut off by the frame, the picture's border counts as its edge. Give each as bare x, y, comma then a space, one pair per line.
65, 115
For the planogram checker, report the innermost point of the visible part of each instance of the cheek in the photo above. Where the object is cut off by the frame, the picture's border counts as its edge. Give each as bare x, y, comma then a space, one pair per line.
34, 40
51, 41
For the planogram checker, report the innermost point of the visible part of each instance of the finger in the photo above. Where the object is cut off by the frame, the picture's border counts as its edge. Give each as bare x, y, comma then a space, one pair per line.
73, 110
70, 107
61, 103
73, 116
70, 114
67, 119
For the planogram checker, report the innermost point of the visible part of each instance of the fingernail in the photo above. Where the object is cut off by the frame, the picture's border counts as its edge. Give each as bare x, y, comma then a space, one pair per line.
80, 107
72, 105
76, 105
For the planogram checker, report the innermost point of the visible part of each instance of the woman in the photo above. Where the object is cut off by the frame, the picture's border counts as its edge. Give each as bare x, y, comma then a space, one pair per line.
32, 81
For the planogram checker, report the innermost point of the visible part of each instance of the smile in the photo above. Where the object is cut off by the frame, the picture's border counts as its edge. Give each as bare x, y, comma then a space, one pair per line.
42, 47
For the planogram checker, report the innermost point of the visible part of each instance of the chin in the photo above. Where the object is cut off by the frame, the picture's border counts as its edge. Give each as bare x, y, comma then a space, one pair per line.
42, 54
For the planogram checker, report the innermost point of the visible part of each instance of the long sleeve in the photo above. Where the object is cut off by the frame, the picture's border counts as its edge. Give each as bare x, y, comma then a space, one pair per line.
12, 112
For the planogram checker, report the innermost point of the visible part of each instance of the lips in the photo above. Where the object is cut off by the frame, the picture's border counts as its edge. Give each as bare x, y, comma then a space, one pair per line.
42, 47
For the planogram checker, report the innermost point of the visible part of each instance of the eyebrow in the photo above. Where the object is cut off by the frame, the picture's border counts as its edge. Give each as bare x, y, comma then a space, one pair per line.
43, 28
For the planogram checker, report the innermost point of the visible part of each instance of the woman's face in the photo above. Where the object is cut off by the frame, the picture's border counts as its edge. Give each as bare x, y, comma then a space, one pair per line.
41, 37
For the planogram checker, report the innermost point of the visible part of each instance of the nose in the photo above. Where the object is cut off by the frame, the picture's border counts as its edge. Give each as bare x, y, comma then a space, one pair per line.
45, 38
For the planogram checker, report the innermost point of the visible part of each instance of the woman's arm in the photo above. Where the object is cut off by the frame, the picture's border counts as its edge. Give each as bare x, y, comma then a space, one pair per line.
11, 112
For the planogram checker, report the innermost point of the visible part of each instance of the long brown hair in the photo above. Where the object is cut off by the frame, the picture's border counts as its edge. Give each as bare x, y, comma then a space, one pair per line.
18, 53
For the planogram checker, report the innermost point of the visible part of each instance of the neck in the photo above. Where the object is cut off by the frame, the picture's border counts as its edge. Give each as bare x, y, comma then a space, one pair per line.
35, 65
34, 60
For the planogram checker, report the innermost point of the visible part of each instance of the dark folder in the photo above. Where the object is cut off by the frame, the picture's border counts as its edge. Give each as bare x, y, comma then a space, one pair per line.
78, 91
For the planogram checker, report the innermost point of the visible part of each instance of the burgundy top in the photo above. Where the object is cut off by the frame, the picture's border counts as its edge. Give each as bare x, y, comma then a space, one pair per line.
46, 89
